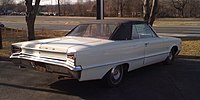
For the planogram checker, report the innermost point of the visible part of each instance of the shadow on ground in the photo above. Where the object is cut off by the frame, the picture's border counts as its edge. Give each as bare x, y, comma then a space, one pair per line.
179, 81
155, 82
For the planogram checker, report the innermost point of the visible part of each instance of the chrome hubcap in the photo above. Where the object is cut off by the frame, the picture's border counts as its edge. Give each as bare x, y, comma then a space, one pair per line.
116, 73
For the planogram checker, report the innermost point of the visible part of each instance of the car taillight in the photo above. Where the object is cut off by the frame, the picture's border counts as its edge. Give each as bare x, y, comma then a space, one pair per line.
15, 49
71, 56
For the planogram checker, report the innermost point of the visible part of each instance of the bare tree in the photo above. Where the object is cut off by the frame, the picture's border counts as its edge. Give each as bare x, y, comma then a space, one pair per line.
153, 12
192, 8
6, 5
111, 7
20, 7
31, 12
121, 4
180, 5
5, 2
150, 14
1, 43
146, 10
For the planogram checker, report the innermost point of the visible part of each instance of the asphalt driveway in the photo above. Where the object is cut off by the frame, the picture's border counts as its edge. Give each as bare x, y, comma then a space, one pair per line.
180, 81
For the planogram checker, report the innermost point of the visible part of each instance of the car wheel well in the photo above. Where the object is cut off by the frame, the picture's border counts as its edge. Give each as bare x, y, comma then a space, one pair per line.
174, 49
114, 76
126, 67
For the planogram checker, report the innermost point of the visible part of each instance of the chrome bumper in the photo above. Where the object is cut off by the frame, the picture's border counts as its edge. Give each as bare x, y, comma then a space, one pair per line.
51, 65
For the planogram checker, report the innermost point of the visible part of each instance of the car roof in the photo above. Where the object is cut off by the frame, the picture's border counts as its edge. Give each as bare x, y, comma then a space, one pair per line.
114, 21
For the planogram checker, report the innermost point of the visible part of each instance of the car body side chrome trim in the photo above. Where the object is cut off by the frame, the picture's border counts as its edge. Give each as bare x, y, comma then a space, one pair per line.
130, 60
47, 61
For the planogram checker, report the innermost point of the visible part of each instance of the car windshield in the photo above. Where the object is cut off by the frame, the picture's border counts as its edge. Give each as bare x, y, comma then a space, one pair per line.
101, 31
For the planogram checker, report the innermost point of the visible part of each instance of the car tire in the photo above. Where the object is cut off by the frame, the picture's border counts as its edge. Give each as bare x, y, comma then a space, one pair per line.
114, 77
170, 59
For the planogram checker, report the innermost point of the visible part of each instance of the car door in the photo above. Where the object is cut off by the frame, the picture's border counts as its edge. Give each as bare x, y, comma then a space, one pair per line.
137, 51
130, 46
153, 49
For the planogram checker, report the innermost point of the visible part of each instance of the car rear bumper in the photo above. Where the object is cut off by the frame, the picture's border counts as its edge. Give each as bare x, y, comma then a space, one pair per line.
47, 65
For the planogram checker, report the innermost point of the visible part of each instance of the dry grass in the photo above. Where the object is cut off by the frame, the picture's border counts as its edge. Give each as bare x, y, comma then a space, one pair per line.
12, 36
189, 47
42, 20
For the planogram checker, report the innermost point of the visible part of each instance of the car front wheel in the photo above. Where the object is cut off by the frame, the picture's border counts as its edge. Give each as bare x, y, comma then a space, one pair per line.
115, 76
170, 59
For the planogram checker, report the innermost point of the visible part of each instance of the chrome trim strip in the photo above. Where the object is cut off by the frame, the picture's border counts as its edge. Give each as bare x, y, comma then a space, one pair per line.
64, 64
47, 61
156, 55
114, 63
27, 54
139, 58
44, 50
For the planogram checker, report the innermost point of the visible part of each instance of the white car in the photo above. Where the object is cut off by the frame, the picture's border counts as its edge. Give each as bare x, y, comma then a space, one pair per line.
98, 50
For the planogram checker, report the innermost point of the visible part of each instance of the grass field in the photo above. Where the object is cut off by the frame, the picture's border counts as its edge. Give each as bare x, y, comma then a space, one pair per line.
77, 20
190, 47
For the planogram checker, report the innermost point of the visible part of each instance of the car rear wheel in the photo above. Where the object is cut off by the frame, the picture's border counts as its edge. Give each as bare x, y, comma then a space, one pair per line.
114, 77
170, 59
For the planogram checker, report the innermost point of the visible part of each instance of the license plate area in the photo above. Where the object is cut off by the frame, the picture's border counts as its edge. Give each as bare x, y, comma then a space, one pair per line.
39, 66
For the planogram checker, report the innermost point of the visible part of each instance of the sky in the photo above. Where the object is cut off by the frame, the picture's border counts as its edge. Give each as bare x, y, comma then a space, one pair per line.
48, 2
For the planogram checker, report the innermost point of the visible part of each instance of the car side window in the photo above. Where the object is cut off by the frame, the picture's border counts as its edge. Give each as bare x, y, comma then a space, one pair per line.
123, 32
144, 31
134, 32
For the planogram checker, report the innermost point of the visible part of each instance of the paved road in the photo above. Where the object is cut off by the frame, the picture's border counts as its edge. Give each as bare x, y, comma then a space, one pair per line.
67, 23
179, 31
156, 82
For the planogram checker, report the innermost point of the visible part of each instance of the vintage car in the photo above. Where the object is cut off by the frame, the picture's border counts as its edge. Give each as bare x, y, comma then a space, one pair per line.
98, 50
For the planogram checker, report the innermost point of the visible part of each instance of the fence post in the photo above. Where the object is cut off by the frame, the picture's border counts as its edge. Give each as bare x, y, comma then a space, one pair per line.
1, 44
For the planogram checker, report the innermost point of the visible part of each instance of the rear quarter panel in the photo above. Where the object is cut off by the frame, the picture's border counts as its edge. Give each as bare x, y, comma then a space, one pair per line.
98, 60
169, 42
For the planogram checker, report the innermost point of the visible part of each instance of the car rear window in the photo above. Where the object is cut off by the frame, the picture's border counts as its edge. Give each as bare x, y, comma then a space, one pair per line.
102, 31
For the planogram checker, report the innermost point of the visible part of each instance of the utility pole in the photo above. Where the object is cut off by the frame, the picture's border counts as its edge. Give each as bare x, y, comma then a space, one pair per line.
100, 10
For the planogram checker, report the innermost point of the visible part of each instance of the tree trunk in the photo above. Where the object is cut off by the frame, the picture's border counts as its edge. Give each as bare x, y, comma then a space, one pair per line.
31, 28
121, 10
31, 12
182, 13
153, 12
1, 44
146, 10
58, 7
